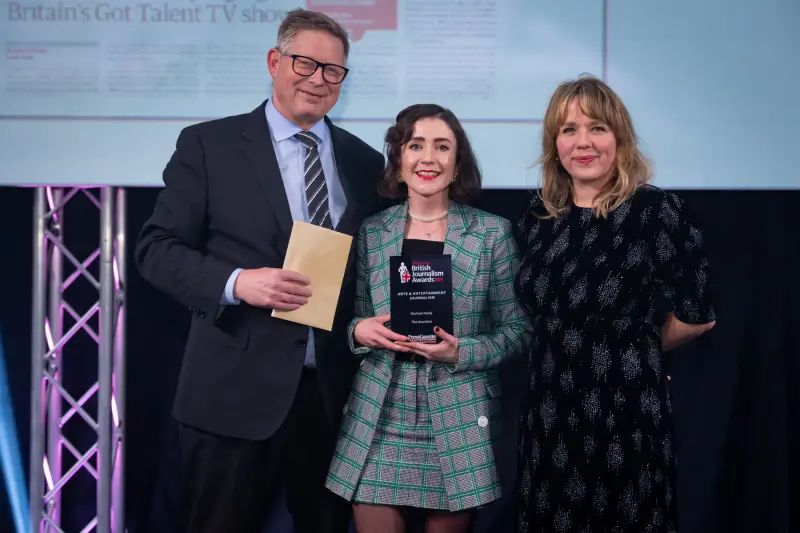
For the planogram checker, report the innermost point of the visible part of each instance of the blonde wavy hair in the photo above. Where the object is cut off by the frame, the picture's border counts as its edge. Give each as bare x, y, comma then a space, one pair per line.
599, 102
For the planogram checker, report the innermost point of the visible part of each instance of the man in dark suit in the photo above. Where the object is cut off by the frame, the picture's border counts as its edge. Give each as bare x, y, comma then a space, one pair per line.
259, 399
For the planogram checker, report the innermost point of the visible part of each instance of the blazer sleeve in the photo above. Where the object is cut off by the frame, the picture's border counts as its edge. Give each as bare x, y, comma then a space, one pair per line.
363, 305
169, 252
511, 328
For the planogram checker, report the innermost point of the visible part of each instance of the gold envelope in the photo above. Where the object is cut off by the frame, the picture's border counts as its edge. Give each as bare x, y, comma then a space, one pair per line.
321, 254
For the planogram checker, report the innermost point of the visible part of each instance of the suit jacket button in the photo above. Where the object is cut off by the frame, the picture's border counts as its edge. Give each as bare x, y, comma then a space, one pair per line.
302, 343
483, 421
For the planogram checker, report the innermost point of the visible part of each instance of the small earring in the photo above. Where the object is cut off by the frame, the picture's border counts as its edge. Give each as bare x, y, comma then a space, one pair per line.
399, 177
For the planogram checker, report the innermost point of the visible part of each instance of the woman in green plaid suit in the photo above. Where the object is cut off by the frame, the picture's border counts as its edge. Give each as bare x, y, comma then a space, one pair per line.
417, 430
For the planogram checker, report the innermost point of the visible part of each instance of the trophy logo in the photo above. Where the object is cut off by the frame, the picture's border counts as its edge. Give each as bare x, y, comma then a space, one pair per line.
405, 277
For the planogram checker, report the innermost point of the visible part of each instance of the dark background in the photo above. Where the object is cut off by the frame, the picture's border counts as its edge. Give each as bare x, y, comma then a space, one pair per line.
736, 391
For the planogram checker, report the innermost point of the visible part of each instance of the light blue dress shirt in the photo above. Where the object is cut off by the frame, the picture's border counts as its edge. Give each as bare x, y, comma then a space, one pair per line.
290, 153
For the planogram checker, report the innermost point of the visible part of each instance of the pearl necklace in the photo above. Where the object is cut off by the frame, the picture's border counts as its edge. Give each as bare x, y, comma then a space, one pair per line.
427, 219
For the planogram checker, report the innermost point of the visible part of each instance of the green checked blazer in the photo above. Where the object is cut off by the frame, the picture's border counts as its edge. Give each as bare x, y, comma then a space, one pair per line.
462, 396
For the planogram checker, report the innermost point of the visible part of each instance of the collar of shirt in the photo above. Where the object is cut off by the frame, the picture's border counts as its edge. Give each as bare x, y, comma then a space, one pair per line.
282, 128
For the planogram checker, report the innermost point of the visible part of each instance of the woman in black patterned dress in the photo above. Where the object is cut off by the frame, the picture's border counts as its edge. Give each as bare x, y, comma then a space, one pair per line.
614, 273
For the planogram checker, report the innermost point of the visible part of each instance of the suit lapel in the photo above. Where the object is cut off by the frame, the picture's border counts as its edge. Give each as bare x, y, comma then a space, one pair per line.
463, 264
394, 228
260, 154
352, 216
347, 223
390, 243
458, 223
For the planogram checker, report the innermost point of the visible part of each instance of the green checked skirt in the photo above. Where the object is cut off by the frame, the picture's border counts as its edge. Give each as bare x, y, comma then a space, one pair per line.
402, 466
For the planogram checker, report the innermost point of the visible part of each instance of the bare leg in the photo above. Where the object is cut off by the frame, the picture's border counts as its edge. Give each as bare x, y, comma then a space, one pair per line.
378, 519
444, 522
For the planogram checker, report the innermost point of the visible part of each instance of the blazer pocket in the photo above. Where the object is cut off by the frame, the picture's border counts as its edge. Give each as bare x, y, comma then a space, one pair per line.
238, 339
493, 389
232, 334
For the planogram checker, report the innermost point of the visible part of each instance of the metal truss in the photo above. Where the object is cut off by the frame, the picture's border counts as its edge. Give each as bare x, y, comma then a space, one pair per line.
77, 430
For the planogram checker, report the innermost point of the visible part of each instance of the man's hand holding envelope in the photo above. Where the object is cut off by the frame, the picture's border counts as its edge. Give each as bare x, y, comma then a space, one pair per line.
307, 288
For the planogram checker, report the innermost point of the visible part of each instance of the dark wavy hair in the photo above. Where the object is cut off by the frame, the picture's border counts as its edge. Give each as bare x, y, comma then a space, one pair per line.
464, 188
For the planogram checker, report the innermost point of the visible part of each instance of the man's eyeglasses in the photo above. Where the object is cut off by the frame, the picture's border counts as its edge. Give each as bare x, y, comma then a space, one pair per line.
305, 66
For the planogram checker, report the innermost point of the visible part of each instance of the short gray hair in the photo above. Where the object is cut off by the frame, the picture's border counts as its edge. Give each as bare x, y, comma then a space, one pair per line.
301, 19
